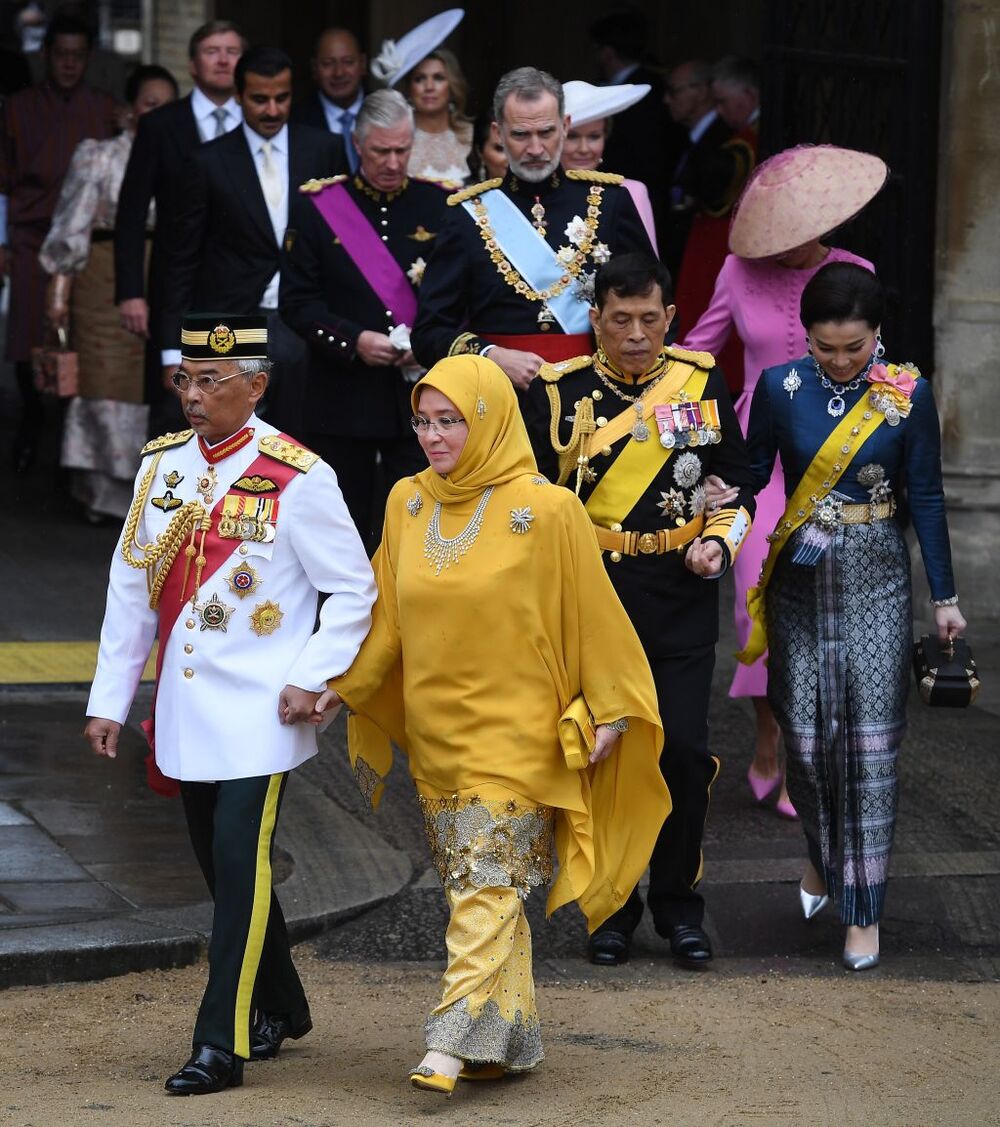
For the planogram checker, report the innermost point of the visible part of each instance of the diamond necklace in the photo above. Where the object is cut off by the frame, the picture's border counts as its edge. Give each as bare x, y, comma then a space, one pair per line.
443, 552
836, 405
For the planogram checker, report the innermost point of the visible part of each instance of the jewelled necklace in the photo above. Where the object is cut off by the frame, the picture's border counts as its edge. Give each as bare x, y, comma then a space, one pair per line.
443, 551
640, 432
836, 405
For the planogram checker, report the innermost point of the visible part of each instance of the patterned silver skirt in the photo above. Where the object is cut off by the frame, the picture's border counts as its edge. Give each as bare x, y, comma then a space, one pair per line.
840, 635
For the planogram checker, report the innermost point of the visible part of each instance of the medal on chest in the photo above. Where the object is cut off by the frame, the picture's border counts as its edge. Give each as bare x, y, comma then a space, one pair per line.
248, 518
688, 423
214, 614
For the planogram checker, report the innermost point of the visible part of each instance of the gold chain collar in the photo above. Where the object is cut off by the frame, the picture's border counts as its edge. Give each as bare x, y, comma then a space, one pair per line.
609, 375
573, 266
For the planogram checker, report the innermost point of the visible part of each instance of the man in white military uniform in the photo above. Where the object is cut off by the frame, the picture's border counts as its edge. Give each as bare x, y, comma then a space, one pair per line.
233, 533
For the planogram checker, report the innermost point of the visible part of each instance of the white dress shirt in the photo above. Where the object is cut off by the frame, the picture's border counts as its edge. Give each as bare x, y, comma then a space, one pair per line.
700, 129
277, 210
333, 112
204, 114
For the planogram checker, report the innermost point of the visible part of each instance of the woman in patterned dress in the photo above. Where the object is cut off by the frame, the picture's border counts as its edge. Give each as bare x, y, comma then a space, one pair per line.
442, 134
105, 426
833, 603
494, 613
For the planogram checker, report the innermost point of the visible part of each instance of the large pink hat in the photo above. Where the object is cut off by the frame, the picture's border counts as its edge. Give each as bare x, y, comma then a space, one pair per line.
800, 194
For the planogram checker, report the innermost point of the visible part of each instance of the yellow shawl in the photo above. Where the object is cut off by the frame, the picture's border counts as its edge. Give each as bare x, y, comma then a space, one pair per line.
469, 670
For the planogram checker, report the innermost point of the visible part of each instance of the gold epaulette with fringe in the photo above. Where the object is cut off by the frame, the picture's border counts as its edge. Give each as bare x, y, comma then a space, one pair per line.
165, 441
298, 457
703, 360
594, 177
551, 373
474, 190
313, 186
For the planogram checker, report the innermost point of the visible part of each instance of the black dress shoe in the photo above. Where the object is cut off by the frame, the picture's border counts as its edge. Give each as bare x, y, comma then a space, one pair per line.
689, 945
609, 948
209, 1070
269, 1030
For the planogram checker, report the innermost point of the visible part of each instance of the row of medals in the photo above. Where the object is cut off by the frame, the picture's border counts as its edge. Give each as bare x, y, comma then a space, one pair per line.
702, 436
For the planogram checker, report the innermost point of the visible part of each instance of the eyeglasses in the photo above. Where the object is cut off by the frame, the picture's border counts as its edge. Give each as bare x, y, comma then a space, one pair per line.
207, 385
443, 426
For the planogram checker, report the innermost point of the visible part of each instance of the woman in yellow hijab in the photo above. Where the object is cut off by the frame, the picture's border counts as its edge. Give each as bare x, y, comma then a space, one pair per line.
494, 612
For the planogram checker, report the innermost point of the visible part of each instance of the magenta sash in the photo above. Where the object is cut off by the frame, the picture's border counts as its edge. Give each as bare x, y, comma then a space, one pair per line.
368, 253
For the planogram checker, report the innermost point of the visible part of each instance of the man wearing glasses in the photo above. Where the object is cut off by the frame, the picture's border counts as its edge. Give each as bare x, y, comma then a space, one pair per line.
233, 533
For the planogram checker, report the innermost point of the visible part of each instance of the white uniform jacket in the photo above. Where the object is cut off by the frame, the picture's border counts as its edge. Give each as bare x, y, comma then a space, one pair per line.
217, 695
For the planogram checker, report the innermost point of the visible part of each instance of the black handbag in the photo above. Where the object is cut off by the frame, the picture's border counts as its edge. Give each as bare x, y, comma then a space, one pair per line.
945, 671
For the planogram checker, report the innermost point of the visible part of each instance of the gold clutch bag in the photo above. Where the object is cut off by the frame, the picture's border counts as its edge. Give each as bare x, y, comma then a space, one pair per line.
577, 734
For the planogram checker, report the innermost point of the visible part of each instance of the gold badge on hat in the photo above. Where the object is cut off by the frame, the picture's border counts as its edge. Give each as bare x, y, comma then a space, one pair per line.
221, 339
266, 618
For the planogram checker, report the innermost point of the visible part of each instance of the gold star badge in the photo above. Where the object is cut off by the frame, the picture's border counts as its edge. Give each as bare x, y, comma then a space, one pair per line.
266, 618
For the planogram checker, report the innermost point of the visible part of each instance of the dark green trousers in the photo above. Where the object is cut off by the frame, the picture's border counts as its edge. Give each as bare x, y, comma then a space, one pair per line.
250, 966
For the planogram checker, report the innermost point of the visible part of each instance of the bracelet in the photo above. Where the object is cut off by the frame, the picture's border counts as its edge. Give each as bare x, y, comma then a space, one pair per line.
952, 602
620, 726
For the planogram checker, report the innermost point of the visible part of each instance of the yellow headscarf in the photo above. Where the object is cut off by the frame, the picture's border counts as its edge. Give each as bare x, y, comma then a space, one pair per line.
497, 449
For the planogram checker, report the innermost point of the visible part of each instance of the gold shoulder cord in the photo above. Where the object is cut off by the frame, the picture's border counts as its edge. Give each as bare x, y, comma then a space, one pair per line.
165, 548
570, 453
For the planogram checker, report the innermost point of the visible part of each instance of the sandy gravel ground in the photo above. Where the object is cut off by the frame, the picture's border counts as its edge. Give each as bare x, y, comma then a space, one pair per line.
652, 1046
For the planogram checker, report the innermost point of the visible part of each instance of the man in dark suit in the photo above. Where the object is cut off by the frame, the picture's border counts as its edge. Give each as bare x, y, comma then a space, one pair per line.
347, 287
339, 67
645, 143
231, 223
704, 176
156, 173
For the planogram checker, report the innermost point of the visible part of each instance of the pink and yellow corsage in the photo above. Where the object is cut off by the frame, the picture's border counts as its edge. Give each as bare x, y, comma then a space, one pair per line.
892, 388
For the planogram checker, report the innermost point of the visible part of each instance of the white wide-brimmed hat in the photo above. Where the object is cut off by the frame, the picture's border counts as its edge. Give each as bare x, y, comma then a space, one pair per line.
585, 103
801, 194
399, 56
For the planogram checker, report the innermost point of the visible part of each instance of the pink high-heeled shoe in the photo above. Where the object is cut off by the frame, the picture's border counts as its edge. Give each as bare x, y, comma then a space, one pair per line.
785, 809
762, 785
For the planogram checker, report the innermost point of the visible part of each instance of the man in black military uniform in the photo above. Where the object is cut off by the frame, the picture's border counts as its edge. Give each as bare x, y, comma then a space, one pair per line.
492, 286
348, 287
635, 429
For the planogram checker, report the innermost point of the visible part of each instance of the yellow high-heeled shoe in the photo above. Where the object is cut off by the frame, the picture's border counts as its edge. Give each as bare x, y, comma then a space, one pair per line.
472, 1071
427, 1080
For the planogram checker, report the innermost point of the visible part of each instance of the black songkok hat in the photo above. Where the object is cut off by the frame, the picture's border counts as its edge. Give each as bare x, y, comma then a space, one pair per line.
219, 336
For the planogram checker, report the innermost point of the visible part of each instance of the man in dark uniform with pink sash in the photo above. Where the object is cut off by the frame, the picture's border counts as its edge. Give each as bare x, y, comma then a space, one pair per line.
348, 286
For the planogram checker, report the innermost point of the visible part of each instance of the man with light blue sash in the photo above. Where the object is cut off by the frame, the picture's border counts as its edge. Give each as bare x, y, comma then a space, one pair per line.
512, 272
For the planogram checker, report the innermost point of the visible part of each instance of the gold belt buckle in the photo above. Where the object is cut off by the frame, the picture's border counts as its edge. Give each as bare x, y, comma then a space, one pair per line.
648, 543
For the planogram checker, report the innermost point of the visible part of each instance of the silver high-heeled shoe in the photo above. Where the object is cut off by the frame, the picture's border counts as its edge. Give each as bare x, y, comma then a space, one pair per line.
860, 962
812, 904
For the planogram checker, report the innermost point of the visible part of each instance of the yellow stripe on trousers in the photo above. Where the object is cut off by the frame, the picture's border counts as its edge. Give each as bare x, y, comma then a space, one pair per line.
258, 919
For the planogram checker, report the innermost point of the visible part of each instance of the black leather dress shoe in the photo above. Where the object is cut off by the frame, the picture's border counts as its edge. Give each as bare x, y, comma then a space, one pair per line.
209, 1070
609, 948
269, 1030
689, 945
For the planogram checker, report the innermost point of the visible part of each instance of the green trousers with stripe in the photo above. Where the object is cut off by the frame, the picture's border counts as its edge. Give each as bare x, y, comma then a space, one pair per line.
250, 966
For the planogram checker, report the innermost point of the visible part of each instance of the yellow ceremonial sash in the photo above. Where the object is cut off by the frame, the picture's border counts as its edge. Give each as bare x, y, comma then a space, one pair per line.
825, 470
635, 468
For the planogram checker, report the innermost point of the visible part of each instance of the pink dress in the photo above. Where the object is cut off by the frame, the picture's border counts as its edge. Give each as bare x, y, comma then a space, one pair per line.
760, 299
640, 197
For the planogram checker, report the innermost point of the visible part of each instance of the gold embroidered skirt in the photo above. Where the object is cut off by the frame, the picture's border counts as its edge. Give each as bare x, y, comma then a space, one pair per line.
491, 848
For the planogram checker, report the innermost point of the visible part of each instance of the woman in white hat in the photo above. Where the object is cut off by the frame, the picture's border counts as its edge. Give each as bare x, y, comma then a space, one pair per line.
436, 88
590, 109
791, 202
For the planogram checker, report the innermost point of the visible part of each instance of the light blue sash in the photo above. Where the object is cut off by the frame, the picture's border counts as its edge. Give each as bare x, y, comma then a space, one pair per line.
533, 258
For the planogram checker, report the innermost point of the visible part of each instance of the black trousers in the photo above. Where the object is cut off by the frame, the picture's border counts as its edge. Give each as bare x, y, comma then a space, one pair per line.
250, 966
364, 482
683, 686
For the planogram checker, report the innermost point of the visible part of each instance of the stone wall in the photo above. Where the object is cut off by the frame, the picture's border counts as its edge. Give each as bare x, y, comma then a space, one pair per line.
967, 297
173, 23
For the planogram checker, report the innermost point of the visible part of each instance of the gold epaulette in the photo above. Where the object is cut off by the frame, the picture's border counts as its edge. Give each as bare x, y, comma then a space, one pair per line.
446, 185
298, 457
551, 373
704, 360
474, 190
313, 186
594, 177
165, 441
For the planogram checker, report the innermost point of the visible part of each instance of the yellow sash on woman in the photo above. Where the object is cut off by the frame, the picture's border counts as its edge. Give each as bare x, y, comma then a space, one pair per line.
825, 470
635, 468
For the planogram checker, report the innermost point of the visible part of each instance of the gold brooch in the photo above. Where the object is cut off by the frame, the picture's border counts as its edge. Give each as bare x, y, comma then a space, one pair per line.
266, 618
